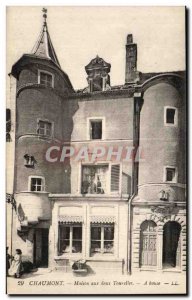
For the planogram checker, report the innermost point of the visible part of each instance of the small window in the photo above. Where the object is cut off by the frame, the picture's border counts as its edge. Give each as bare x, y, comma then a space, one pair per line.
102, 239
44, 128
70, 238
170, 116
36, 184
45, 79
96, 129
170, 174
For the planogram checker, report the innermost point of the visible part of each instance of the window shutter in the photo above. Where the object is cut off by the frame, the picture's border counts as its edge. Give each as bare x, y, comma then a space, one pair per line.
115, 177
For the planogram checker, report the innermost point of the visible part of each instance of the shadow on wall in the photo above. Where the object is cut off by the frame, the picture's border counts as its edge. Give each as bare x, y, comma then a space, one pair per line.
126, 183
69, 111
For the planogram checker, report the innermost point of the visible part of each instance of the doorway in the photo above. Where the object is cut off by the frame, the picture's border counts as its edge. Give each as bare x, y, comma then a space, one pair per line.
41, 245
171, 245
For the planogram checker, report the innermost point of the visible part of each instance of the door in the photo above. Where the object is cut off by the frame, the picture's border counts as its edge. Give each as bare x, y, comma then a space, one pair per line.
148, 241
41, 246
171, 245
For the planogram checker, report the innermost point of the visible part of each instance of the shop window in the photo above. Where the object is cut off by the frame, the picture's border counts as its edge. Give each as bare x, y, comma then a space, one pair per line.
70, 239
102, 239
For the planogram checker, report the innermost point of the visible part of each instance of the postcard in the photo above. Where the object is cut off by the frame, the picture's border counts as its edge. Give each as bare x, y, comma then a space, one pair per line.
96, 150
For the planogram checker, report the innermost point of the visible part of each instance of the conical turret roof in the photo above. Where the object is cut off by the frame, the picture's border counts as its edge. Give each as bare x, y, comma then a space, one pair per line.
43, 46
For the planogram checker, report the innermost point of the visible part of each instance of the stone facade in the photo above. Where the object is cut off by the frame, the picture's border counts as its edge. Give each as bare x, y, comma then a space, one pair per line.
114, 215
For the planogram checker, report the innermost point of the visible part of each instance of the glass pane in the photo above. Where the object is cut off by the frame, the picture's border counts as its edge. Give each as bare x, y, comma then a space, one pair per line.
170, 115
95, 233
95, 247
38, 188
109, 233
77, 247
108, 247
33, 187
42, 77
96, 127
64, 232
64, 246
38, 181
94, 179
170, 174
77, 233
152, 243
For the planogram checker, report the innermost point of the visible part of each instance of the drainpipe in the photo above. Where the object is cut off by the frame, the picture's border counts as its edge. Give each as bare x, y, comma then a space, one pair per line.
129, 234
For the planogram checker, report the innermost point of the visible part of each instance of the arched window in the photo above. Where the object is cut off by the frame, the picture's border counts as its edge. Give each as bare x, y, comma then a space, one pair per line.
148, 244
171, 245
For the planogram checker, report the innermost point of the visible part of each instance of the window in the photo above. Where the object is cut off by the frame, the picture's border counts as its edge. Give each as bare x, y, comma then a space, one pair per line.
102, 239
96, 179
44, 128
37, 184
170, 174
170, 116
70, 239
96, 129
45, 78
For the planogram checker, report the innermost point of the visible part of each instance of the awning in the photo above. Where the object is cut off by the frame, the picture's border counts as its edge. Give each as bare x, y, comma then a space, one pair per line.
70, 219
102, 219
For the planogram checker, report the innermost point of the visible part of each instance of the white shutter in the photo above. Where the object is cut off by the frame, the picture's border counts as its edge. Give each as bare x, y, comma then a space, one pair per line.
115, 177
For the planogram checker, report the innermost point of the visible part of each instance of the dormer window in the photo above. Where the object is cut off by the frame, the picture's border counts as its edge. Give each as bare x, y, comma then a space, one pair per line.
45, 78
98, 75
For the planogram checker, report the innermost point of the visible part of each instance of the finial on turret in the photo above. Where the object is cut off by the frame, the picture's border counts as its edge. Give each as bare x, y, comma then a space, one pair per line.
44, 10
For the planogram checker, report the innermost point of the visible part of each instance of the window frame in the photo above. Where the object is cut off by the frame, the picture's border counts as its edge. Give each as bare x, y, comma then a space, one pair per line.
108, 179
96, 119
45, 121
48, 73
36, 177
102, 239
175, 124
71, 239
175, 180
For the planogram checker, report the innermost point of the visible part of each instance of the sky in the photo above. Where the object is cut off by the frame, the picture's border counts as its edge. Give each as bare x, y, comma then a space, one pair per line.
79, 34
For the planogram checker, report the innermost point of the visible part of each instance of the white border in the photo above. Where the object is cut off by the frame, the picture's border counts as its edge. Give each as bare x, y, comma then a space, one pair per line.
3, 5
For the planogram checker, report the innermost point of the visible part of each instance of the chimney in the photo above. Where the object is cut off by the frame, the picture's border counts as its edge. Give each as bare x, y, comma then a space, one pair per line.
131, 74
